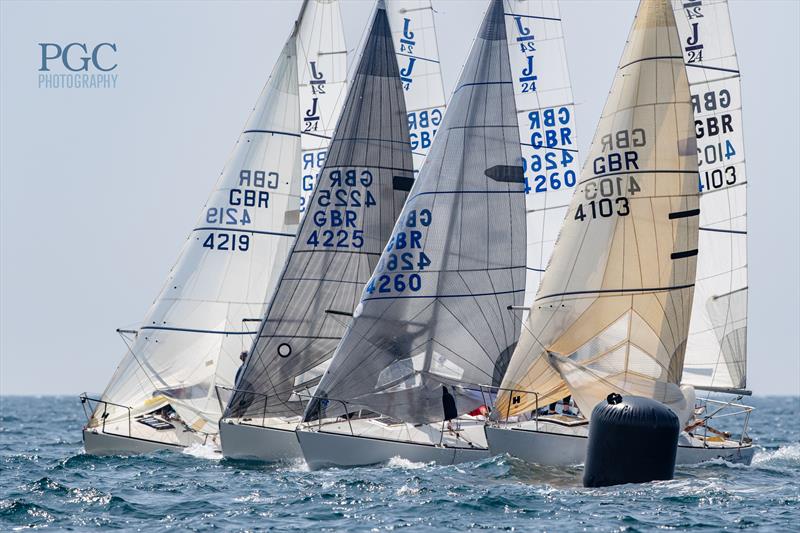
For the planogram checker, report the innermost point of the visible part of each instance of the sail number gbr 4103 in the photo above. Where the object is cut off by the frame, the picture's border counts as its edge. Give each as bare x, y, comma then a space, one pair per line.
607, 193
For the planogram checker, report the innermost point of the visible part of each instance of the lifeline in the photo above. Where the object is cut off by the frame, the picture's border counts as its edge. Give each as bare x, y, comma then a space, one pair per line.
78, 81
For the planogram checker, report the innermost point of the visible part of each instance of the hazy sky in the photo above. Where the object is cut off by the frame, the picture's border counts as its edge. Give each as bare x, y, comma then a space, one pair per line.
100, 187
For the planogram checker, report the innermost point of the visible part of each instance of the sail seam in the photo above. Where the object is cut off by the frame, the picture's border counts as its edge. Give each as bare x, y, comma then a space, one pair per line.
442, 295
191, 330
652, 58
604, 291
223, 228
274, 132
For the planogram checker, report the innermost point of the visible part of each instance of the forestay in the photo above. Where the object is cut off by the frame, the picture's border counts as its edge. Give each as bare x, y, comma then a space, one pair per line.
322, 69
362, 188
546, 116
414, 35
435, 313
716, 351
613, 309
193, 334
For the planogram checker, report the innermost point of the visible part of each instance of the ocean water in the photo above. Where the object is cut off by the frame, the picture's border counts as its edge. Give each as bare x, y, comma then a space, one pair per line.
46, 481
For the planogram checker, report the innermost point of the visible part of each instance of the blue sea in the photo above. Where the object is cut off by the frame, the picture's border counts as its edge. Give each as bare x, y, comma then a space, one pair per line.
46, 481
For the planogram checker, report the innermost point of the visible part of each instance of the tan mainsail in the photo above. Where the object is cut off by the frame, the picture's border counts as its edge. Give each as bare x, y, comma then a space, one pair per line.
612, 312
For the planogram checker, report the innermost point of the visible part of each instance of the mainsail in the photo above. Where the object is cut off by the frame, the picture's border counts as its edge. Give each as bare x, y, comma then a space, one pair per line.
193, 334
362, 188
417, 54
716, 351
546, 116
322, 72
435, 313
613, 309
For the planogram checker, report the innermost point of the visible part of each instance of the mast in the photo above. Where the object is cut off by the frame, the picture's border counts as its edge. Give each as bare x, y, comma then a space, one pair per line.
362, 188
716, 350
613, 309
435, 314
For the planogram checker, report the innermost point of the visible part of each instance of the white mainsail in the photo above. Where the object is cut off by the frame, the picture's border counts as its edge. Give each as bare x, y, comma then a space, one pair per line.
436, 311
322, 72
716, 351
417, 51
362, 188
546, 115
191, 338
613, 309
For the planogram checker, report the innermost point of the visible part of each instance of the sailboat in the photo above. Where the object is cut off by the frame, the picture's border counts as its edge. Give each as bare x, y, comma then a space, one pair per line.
163, 395
613, 312
360, 193
434, 315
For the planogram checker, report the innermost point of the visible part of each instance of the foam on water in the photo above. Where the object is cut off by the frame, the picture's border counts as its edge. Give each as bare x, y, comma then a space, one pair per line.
47, 481
405, 464
204, 451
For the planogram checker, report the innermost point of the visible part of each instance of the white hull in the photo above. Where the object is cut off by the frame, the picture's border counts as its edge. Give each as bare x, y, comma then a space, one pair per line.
96, 442
258, 443
367, 442
537, 446
558, 449
322, 450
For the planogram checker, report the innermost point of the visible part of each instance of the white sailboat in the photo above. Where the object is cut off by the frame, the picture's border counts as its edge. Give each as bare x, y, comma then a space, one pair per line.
613, 311
362, 187
435, 314
162, 395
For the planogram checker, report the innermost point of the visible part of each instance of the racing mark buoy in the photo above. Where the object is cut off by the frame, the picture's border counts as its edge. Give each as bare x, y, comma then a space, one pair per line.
631, 440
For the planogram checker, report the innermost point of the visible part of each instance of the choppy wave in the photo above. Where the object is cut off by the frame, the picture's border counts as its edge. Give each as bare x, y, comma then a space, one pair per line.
204, 451
47, 481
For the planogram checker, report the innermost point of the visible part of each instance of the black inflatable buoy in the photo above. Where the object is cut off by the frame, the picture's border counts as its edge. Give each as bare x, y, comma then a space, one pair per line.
631, 440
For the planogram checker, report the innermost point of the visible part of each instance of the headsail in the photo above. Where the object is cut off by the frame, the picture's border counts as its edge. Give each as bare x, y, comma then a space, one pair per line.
435, 312
613, 309
716, 351
352, 210
322, 71
193, 334
417, 53
546, 115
